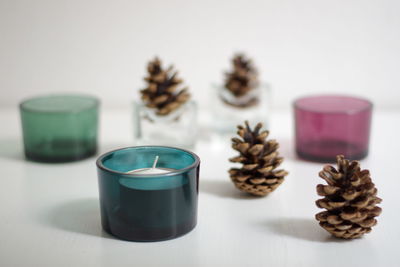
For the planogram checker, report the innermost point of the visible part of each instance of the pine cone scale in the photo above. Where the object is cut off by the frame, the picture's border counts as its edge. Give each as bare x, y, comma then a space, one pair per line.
256, 149
249, 167
242, 148
265, 170
281, 173
257, 181
324, 190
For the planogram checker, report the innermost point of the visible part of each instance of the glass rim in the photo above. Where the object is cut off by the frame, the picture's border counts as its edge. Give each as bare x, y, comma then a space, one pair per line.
369, 104
100, 165
95, 103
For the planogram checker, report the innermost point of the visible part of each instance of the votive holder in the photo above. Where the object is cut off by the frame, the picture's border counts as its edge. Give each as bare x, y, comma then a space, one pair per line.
59, 128
148, 207
229, 111
331, 125
179, 128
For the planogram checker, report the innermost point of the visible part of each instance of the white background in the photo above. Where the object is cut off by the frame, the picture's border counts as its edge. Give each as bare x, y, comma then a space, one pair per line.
102, 47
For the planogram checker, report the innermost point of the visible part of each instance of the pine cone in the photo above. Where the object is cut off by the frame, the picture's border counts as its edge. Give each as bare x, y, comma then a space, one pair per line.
350, 199
259, 158
163, 92
242, 80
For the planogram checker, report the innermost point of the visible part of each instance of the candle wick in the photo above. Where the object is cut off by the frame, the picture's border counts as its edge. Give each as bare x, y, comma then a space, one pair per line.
155, 162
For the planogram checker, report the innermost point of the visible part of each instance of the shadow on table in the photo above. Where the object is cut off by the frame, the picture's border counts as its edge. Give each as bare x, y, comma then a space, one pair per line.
224, 189
11, 148
299, 228
79, 216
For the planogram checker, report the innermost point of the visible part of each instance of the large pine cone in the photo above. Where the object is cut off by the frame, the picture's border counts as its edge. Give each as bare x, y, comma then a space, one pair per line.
258, 175
163, 91
243, 78
350, 199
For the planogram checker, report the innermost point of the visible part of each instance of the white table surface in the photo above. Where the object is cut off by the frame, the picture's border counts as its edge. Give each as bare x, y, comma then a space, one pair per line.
50, 212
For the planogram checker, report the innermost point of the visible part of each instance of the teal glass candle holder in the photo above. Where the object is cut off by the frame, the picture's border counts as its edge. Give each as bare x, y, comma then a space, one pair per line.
148, 207
59, 128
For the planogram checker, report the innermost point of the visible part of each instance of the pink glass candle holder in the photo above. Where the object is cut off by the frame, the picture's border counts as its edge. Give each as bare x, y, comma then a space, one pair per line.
330, 125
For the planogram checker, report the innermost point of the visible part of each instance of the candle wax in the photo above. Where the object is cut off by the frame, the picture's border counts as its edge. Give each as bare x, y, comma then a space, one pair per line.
150, 171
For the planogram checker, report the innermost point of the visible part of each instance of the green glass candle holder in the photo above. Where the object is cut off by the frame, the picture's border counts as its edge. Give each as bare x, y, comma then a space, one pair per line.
148, 207
59, 128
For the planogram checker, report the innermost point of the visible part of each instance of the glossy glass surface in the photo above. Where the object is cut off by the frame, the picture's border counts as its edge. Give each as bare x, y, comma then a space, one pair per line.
330, 125
148, 207
59, 128
178, 128
227, 113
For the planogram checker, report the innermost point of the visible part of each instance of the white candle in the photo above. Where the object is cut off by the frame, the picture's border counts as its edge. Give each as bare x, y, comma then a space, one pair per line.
152, 170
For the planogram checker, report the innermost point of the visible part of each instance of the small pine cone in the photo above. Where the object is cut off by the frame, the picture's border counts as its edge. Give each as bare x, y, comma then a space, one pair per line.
243, 78
258, 174
163, 91
349, 199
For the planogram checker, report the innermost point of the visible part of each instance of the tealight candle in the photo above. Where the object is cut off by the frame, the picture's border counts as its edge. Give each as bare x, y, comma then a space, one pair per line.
152, 170
139, 203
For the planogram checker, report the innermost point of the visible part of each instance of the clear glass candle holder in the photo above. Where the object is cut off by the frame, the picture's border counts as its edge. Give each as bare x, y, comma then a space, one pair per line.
59, 128
178, 128
148, 207
229, 111
330, 125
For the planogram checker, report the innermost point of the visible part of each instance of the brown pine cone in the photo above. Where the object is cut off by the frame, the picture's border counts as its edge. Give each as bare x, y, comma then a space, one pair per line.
258, 175
243, 77
163, 91
349, 199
